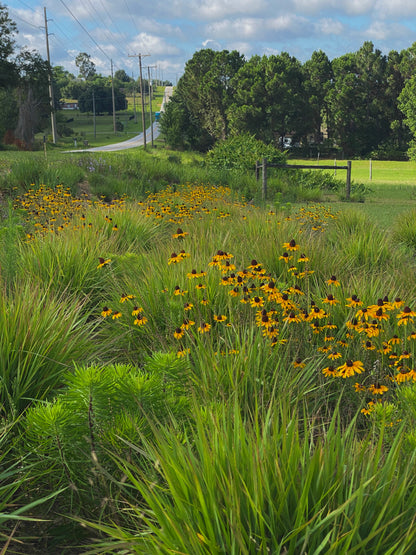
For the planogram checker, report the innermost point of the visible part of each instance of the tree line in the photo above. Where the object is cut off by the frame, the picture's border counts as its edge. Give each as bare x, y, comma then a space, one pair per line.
360, 104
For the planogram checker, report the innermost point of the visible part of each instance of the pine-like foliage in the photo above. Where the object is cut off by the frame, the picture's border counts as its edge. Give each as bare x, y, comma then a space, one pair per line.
101, 411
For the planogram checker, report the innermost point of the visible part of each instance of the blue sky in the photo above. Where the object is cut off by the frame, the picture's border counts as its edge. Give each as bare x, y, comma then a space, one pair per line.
170, 31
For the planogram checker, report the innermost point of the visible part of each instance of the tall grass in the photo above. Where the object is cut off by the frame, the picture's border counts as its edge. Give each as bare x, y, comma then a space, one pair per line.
279, 484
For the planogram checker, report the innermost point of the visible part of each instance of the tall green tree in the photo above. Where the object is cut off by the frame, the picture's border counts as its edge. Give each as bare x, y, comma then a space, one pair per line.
8, 30
270, 99
318, 82
357, 100
85, 65
181, 129
207, 88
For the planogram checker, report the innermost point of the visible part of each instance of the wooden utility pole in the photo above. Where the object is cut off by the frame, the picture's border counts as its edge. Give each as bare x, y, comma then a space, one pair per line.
114, 103
53, 116
140, 56
150, 101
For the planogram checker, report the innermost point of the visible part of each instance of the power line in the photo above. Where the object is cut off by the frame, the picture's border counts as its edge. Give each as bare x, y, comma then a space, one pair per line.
85, 30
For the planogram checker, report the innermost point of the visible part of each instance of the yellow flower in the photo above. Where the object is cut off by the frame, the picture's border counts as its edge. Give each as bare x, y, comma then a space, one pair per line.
140, 320
291, 246
220, 318
125, 297
178, 333
136, 310
333, 281
116, 315
204, 328
377, 389
106, 312
103, 262
330, 372
350, 368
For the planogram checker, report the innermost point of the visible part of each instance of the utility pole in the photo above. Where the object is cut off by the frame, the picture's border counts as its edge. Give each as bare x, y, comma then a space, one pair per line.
150, 101
93, 113
142, 95
112, 94
53, 115
134, 99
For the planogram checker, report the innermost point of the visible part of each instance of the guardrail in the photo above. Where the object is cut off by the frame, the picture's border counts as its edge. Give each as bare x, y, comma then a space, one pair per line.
264, 165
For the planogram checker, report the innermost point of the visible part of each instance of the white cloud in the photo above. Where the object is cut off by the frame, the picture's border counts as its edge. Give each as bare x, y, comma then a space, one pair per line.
328, 26
213, 44
151, 44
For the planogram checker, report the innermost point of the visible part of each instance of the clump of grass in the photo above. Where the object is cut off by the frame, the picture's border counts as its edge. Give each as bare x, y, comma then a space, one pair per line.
268, 486
42, 335
404, 230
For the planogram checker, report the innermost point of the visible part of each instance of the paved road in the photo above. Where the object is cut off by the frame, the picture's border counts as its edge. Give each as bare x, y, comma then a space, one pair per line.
134, 141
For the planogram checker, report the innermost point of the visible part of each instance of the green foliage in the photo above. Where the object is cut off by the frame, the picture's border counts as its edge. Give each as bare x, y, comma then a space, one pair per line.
101, 410
42, 335
241, 152
277, 484
404, 230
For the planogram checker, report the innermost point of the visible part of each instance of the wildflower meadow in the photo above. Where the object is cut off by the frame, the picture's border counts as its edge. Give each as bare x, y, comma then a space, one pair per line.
185, 371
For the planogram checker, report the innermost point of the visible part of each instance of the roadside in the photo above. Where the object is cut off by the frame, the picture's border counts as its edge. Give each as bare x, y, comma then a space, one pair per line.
136, 141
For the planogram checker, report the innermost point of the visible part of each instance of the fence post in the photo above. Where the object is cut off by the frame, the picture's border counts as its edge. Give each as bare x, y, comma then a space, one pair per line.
348, 184
257, 170
264, 188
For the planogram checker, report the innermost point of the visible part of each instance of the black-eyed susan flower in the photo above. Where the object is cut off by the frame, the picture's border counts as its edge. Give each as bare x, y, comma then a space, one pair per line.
188, 306
220, 317
291, 246
204, 301
405, 316
353, 301
303, 258
359, 387
330, 372
103, 262
385, 348
369, 345
192, 274
257, 302
187, 323
140, 320
136, 310
412, 336
200, 286
397, 303
234, 292
330, 299
334, 354
333, 281
285, 257
178, 291
125, 297
405, 374
116, 315
204, 327
377, 389
292, 318
179, 333
175, 258
180, 234
349, 368
106, 312
298, 363
395, 340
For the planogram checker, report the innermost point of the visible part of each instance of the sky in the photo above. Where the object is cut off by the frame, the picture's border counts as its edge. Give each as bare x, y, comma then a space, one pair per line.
167, 33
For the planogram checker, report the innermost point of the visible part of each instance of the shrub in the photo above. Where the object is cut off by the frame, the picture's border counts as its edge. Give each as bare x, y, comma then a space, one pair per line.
241, 153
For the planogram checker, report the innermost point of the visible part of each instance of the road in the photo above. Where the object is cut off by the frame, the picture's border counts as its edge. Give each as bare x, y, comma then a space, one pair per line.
134, 141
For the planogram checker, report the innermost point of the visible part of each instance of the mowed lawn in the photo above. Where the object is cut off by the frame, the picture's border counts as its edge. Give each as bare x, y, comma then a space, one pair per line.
391, 186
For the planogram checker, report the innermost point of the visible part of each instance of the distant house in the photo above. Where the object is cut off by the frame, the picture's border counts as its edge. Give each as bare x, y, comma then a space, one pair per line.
68, 105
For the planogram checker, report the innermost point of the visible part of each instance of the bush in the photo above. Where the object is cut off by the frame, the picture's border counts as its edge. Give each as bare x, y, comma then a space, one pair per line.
241, 153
